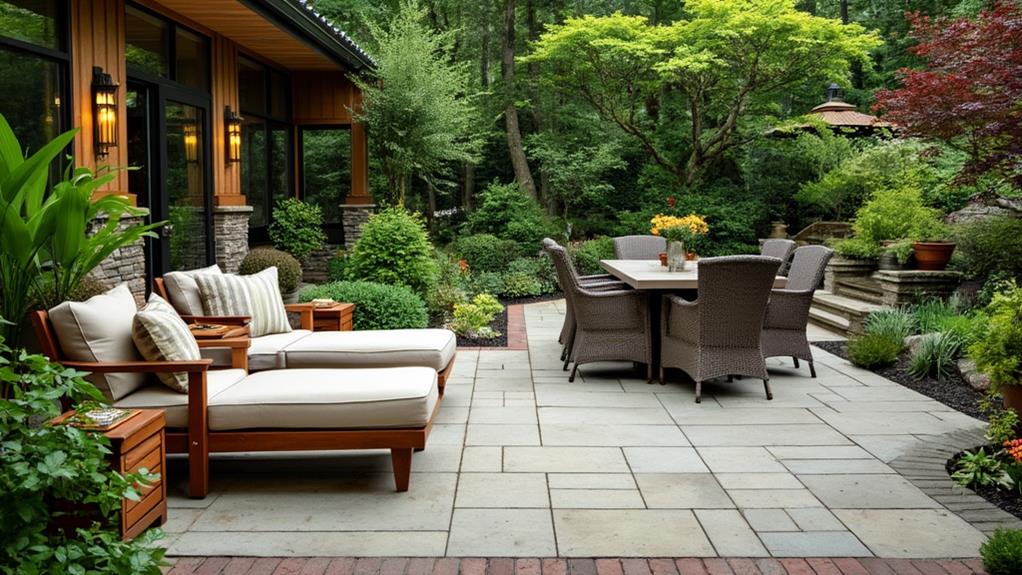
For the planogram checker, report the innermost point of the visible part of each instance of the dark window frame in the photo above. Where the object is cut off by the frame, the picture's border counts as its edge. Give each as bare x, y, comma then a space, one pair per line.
171, 46
271, 123
63, 60
334, 230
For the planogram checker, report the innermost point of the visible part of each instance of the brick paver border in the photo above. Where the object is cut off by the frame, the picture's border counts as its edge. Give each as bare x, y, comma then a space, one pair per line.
517, 338
925, 467
556, 566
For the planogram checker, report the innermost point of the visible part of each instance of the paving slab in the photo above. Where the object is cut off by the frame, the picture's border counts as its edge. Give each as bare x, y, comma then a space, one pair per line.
501, 533
682, 491
628, 533
913, 533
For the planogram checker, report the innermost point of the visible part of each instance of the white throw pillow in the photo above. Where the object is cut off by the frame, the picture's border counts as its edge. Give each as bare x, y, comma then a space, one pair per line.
99, 329
161, 335
256, 296
183, 292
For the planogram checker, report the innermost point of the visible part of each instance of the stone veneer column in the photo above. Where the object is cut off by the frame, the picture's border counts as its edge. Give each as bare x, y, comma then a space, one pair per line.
352, 218
125, 265
230, 232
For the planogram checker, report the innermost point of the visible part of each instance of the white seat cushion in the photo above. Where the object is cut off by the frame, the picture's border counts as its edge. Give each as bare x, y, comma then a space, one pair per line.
373, 348
327, 399
183, 292
174, 404
99, 329
266, 351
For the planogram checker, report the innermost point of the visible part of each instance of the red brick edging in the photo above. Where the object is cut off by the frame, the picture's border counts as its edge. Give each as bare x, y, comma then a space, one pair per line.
536, 566
517, 338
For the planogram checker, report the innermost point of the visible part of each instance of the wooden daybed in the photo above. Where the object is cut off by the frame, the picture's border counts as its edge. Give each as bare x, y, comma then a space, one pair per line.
198, 440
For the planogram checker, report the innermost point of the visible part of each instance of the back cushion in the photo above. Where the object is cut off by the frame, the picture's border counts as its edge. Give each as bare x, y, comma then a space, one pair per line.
256, 296
100, 330
184, 292
161, 335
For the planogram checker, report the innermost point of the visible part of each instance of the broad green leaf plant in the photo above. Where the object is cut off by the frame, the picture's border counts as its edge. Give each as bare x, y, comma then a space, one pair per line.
45, 242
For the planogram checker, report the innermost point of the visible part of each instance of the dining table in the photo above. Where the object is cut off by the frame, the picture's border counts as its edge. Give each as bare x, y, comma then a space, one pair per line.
652, 277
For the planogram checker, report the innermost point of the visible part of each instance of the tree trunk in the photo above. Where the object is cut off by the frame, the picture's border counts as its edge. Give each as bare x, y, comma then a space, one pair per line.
432, 207
469, 188
534, 97
514, 133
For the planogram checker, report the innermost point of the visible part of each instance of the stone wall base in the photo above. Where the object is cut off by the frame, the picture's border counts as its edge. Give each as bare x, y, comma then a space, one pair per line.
315, 266
125, 265
352, 218
841, 268
904, 287
230, 231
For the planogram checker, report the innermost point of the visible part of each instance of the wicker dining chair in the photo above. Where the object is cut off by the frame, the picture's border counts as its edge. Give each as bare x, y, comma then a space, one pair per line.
600, 282
639, 247
784, 329
719, 333
780, 249
610, 325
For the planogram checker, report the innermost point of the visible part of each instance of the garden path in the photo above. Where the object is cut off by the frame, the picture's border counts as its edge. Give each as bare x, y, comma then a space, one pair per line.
523, 463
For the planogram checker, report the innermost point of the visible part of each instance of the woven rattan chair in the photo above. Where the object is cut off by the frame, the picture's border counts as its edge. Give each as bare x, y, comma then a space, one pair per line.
610, 325
784, 329
719, 334
600, 282
639, 247
780, 249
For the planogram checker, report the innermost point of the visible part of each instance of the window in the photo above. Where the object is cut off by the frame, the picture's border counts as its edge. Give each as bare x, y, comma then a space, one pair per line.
326, 171
265, 140
162, 48
34, 67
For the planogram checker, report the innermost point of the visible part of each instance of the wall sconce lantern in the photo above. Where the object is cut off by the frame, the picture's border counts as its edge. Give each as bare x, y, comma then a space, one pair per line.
190, 133
104, 100
233, 124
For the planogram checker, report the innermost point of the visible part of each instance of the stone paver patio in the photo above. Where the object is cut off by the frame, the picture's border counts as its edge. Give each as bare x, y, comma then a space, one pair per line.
524, 464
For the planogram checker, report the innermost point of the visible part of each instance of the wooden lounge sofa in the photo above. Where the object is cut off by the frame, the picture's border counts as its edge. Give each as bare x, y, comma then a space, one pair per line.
304, 348
230, 410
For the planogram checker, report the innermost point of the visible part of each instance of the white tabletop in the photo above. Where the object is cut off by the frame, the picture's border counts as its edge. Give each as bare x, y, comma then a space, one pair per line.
650, 275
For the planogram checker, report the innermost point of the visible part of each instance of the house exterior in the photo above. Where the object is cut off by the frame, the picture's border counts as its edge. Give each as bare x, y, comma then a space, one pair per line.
220, 107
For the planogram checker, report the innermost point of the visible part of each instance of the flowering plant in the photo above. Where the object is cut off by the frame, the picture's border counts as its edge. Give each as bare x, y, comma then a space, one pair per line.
1013, 447
679, 228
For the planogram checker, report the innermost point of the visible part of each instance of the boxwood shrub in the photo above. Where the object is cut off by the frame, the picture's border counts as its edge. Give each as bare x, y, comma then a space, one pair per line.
486, 252
377, 306
289, 271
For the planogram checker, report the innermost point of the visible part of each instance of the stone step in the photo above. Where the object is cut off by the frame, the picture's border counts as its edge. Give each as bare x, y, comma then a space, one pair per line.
838, 312
830, 321
864, 289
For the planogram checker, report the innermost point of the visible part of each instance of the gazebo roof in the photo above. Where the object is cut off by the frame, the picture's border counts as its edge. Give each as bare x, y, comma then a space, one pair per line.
842, 114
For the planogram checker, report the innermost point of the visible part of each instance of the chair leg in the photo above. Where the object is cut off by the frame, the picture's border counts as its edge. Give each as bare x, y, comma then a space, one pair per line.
663, 376
730, 379
699, 391
795, 360
564, 352
812, 369
198, 474
574, 368
402, 461
766, 385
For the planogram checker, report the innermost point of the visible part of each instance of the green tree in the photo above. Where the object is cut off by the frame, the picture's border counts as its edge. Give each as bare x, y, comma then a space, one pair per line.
727, 63
418, 102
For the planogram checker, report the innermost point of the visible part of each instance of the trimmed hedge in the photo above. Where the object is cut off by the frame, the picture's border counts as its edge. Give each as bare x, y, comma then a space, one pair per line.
289, 271
377, 306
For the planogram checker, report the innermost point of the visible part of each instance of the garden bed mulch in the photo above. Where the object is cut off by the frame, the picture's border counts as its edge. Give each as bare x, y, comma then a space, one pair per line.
1010, 500
953, 392
510, 326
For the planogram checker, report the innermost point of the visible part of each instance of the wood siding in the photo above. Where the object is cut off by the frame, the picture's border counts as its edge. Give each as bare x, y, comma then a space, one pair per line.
97, 39
327, 99
226, 176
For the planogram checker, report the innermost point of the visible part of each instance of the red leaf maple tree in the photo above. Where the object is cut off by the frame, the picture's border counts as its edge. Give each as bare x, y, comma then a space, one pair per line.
970, 93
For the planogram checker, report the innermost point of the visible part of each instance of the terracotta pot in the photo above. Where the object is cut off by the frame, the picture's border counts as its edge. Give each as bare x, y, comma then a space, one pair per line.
933, 256
663, 259
692, 256
1012, 395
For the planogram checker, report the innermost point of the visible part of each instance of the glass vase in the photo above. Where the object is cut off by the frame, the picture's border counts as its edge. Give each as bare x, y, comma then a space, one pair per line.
676, 256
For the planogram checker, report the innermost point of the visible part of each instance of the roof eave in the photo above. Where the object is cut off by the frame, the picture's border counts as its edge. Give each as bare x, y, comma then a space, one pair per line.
309, 26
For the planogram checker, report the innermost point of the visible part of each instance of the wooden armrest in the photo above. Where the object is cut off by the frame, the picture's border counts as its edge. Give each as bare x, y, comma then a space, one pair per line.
218, 319
305, 310
232, 343
198, 365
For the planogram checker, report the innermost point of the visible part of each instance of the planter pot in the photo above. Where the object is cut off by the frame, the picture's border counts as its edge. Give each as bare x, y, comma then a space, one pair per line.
692, 256
778, 230
889, 262
290, 297
663, 259
933, 256
1012, 395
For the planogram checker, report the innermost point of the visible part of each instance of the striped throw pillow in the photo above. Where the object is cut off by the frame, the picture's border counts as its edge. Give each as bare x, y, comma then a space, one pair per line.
257, 296
161, 335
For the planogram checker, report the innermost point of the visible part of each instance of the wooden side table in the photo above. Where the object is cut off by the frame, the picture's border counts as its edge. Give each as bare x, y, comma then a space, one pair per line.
337, 317
135, 443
